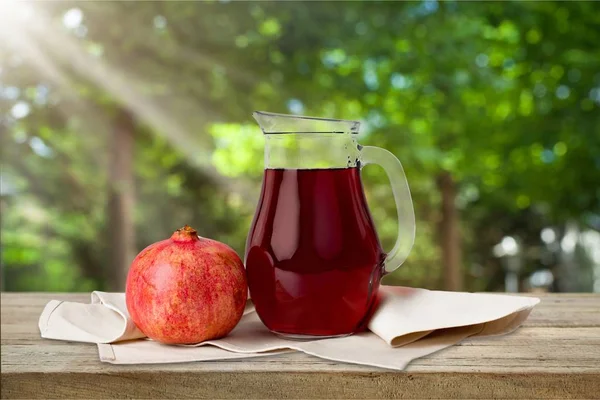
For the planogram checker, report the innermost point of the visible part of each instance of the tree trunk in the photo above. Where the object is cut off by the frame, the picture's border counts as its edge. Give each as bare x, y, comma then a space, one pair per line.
450, 239
121, 200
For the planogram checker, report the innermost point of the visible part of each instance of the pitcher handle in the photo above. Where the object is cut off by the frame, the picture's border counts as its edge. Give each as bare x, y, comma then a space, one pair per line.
404, 207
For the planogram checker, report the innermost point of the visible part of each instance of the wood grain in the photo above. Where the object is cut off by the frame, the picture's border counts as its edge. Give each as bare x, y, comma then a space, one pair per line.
556, 354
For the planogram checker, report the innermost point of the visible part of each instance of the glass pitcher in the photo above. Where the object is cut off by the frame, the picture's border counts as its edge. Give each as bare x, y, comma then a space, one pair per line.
313, 257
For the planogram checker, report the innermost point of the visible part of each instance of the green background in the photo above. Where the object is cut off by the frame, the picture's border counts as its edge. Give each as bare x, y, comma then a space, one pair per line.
121, 122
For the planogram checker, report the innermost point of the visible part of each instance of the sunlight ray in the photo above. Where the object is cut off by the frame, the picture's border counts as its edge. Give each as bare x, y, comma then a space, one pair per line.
54, 75
124, 89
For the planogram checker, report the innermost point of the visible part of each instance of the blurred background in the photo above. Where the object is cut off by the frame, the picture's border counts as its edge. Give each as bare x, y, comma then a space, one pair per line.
123, 121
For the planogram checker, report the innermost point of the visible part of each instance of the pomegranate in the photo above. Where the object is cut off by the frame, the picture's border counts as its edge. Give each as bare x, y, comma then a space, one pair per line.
186, 289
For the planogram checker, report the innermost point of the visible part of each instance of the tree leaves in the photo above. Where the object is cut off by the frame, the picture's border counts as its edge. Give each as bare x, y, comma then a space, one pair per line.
504, 97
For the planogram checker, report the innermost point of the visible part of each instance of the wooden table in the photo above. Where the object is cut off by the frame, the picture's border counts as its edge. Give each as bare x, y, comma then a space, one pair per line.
556, 354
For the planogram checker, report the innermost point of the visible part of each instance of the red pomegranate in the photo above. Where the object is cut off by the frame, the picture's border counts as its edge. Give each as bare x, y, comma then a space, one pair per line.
186, 289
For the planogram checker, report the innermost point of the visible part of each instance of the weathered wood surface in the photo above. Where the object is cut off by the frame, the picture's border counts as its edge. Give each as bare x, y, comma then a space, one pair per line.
556, 354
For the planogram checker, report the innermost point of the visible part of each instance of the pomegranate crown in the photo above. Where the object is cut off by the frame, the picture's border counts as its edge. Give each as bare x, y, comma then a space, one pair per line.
185, 234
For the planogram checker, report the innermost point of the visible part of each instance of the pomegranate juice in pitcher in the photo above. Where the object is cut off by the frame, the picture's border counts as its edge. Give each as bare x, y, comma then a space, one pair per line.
314, 260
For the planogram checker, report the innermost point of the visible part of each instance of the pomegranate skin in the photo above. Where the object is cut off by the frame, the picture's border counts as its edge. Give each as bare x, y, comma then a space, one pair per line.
186, 289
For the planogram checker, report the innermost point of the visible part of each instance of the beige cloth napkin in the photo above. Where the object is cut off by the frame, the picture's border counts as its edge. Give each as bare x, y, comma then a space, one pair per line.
409, 323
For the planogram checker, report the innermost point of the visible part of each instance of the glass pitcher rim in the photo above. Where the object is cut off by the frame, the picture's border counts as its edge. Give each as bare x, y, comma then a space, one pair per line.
352, 126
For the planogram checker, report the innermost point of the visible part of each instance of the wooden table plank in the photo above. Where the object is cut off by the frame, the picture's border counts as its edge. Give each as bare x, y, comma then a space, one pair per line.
555, 355
526, 351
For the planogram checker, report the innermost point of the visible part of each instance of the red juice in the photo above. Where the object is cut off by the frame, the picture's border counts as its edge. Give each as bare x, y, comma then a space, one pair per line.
313, 257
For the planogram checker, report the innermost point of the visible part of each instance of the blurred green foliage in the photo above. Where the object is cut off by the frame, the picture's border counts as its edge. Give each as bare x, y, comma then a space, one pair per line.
503, 97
